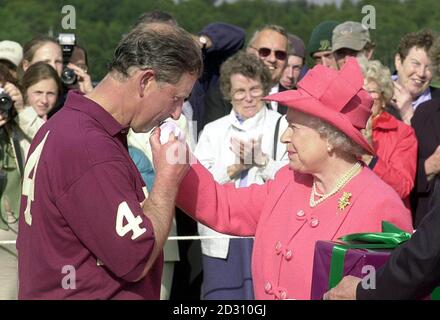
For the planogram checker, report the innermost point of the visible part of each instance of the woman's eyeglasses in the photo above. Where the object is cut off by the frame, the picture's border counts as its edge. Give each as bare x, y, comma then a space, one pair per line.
241, 94
265, 52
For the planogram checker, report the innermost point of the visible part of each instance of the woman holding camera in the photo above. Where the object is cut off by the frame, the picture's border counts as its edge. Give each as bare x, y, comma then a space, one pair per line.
13, 149
43, 49
48, 50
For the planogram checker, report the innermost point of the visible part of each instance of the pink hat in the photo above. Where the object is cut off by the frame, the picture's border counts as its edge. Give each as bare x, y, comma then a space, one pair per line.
337, 97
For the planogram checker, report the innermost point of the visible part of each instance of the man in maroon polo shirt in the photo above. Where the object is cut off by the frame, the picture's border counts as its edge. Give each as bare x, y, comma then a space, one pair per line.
86, 230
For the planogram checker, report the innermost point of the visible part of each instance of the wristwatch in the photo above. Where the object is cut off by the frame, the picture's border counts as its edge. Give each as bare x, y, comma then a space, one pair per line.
204, 41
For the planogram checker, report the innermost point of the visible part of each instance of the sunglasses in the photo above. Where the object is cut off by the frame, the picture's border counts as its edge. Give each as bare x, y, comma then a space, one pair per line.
265, 52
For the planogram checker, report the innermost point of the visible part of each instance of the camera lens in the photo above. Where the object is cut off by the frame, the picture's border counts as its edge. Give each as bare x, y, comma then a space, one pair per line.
5, 102
68, 76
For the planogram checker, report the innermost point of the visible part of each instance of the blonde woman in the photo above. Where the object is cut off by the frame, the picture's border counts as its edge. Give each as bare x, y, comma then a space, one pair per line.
394, 142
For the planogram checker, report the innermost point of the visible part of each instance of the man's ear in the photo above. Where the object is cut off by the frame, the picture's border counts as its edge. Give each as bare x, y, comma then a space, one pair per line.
147, 77
369, 53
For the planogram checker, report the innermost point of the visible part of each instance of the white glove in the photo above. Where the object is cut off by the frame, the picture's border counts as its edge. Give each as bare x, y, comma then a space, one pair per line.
170, 127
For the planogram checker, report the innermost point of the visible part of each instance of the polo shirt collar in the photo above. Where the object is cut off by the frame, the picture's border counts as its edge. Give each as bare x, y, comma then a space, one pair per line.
78, 101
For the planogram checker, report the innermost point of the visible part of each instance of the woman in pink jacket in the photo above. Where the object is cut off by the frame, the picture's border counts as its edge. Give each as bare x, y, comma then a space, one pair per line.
324, 192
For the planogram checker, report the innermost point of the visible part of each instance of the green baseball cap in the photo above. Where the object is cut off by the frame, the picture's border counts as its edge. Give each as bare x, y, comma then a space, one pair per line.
321, 37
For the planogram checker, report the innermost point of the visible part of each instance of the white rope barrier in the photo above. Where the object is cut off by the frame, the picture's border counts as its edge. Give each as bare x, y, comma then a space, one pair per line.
206, 237
7, 242
173, 238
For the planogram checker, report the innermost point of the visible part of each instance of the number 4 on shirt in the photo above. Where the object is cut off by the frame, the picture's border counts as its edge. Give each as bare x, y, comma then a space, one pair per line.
133, 223
28, 189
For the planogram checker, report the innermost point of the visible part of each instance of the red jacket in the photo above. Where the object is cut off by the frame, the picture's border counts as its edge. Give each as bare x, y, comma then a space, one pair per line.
395, 144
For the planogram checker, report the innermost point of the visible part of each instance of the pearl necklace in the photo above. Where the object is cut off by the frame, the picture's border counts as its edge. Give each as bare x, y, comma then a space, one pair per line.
342, 181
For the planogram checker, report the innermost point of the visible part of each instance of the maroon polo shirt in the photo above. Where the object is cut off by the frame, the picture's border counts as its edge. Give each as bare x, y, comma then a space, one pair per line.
83, 234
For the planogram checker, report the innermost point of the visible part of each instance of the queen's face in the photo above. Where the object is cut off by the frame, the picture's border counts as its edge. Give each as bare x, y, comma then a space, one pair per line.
306, 149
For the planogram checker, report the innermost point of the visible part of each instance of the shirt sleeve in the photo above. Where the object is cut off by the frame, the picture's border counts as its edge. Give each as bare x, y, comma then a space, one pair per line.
103, 210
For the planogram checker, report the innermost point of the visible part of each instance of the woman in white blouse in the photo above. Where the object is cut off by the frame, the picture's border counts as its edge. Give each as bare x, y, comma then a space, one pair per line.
243, 148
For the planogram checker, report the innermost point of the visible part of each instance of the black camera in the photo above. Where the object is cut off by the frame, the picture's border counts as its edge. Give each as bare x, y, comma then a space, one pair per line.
6, 104
67, 42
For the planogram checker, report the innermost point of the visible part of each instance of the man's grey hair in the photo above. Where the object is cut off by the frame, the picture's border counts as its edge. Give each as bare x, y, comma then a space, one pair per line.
168, 50
272, 27
156, 16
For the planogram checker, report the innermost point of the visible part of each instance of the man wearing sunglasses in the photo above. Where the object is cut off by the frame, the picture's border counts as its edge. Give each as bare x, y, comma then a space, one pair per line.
270, 44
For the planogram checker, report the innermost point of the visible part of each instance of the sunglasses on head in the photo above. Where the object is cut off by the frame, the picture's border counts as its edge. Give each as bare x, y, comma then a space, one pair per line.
265, 52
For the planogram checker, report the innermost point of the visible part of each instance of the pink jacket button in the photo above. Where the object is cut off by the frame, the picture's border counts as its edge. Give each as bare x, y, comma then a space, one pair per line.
314, 222
288, 255
283, 295
278, 247
267, 287
300, 213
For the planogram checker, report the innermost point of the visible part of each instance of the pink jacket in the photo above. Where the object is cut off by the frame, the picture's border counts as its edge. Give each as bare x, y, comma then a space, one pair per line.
278, 214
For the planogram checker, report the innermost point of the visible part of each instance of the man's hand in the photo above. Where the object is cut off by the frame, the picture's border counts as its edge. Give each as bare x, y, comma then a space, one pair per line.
171, 160
84, 80
197, 40
432, 164
345, 290
159, 206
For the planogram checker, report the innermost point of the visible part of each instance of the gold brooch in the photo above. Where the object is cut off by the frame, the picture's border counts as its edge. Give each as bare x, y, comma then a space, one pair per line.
344, 201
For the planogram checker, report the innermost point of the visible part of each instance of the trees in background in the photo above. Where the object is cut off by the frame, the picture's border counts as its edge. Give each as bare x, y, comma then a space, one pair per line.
101, 23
